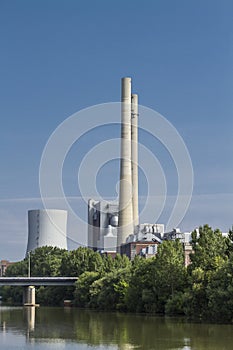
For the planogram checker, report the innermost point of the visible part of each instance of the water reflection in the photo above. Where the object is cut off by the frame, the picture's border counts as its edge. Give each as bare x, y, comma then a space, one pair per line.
30, 316
118, 331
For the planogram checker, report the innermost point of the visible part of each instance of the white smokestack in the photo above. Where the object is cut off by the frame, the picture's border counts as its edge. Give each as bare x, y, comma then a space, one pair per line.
134, 157
125, 197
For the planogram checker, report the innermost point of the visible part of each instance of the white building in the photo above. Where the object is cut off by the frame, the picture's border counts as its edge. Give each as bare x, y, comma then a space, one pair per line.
102, 226
47, 228
147, 233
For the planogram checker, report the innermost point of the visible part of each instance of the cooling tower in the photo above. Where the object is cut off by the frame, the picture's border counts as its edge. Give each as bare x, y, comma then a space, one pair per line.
47, 228
125, 196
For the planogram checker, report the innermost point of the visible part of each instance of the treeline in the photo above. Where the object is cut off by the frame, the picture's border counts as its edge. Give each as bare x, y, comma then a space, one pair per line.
160, 285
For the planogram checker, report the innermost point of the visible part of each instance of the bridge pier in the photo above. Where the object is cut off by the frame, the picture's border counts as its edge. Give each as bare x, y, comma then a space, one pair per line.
29, 284
29, 296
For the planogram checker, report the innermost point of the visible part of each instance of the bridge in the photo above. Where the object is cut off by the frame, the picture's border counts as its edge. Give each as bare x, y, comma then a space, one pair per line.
29, 284
37, 281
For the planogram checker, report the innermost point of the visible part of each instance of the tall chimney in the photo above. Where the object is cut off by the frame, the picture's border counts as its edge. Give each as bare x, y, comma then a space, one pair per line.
125, 197
134, 158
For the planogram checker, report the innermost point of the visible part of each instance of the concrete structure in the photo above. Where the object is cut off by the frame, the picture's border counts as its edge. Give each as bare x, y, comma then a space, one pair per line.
37, 281
134, 158
184, 237
102, 226
125, 198
102, 234
29, 283
147, 233
29, 296
47, 228
105, 233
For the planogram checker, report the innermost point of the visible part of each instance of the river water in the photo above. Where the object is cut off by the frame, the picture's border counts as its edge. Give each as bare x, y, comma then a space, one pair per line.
71, 328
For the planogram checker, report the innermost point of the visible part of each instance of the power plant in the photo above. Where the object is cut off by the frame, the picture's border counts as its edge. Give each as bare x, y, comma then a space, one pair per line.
112, 227
102, 235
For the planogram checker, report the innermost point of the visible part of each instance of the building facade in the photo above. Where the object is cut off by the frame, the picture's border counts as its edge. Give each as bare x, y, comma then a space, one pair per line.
102, 226
3, 266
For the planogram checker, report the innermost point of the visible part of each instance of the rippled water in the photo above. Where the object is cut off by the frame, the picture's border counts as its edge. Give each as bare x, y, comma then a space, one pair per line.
71, 328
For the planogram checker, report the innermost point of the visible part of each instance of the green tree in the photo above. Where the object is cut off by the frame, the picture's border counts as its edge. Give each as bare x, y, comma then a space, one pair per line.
109, 292
155, 281
170, 274
210, 249
140, 294
46, 261
219, 293
82, 288
210, 255
75, 262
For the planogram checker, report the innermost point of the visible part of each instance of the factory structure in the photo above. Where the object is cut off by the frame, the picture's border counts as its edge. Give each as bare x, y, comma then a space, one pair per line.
113, 227
47, 228
116, 228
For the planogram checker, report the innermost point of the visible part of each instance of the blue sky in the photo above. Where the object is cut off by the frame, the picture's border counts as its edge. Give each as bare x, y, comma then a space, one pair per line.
58, 57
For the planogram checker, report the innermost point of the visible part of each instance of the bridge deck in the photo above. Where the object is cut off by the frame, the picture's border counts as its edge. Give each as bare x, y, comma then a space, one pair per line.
37, 281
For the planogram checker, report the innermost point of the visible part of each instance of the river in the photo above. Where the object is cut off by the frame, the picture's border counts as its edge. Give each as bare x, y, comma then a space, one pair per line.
71, 328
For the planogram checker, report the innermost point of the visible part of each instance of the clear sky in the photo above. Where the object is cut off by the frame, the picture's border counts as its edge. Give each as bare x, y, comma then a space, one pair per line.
58, 57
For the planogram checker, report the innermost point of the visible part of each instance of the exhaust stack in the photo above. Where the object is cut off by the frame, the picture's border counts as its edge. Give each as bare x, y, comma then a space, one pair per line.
125, 197
134, 158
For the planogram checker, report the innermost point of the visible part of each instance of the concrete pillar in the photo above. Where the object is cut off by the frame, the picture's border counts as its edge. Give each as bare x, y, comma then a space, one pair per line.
29, 296
134, 158
125, 196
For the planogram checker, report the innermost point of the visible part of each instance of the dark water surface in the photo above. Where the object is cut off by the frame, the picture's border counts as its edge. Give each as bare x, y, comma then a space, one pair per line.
71, 328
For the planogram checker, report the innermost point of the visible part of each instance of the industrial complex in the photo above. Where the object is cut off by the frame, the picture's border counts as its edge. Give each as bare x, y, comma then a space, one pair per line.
113, 227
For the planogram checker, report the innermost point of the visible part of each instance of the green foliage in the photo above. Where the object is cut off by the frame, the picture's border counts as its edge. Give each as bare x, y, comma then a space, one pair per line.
12, 295
109, 292
162, 284
219, 293
211, 254
170, 272
82, 288
210, 249
155, 280
75, 262
140, 296
18, 269
175, 304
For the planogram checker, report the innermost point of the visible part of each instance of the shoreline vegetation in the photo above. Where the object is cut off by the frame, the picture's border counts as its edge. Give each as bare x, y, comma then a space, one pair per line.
161, 285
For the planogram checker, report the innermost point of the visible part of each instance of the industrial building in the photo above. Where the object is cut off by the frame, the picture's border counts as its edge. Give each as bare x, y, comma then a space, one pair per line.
102, 226
116, 228
47, 228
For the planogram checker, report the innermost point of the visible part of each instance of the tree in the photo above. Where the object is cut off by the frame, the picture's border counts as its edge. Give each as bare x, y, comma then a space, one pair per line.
140, 296
46, 261
109, 292
82, 288
210, 248
75, 262
170, 273
219, 293
210, 255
